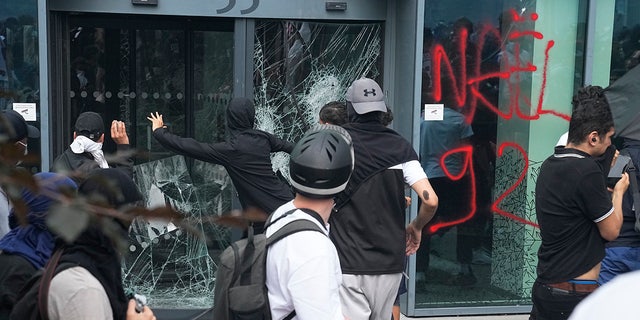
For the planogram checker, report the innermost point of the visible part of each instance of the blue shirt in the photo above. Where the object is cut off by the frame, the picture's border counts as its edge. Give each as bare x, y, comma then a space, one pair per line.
438, 137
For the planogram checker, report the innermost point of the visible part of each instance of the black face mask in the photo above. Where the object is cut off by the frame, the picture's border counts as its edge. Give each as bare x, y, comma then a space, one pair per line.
605, 160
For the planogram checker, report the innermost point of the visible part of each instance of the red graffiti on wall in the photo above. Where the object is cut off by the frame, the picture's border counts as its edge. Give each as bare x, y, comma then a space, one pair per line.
464, 84
467, 168
469, 80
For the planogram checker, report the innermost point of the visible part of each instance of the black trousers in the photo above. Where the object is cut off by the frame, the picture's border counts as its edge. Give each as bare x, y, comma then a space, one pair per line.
553, 304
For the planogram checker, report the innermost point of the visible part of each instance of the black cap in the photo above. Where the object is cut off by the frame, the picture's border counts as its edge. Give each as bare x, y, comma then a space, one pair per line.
20, 129
90, 125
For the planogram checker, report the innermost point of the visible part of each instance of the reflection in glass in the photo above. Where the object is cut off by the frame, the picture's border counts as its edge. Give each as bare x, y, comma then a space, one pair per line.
18, 53
625, 49
19, 61
160, 69
213, 82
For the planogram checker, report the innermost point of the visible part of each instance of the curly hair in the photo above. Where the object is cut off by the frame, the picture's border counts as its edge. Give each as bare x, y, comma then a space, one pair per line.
591, 112
334, 112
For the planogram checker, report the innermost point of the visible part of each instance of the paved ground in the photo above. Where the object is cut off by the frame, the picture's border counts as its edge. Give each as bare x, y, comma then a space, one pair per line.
502, 317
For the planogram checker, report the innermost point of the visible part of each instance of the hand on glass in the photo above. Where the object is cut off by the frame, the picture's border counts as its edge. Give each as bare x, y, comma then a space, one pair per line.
156, 121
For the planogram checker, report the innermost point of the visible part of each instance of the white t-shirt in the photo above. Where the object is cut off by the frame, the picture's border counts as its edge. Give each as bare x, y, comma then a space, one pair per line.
412, 171
303, 272
75, 294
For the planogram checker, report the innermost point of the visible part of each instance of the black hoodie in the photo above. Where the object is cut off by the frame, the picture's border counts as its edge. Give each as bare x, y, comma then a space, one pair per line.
245, 155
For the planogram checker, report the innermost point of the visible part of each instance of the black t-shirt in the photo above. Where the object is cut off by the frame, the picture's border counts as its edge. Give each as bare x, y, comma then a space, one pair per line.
571, 197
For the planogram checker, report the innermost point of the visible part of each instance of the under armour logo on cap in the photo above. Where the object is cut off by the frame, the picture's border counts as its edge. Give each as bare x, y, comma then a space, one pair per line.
366, 96
367, 93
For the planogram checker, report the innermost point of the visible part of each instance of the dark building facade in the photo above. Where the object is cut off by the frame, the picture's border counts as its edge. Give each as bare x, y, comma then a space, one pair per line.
507, 68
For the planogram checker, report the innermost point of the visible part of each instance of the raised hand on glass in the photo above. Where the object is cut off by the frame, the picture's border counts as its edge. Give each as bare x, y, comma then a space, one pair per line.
156, 121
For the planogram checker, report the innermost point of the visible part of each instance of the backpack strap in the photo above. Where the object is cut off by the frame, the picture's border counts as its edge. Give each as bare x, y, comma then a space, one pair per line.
43, 290
52, 268
633, 186
295, 226
291, 228
245, 262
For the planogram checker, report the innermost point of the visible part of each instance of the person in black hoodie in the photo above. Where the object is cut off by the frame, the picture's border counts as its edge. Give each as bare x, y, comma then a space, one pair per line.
245, 154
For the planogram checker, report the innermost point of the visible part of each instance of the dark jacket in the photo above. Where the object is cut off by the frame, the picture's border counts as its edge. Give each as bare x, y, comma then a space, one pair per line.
245, 155
15, 272
629, 237
27, 248
368, 228
84, 163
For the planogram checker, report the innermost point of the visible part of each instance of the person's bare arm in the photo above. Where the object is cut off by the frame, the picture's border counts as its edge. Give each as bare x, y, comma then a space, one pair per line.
610, 227
425, 214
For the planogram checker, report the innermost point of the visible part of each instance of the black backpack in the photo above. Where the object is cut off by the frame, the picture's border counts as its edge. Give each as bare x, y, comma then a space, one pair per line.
241, 292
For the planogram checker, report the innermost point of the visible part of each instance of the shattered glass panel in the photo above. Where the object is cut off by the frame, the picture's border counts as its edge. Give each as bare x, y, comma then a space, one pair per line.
300, 66
172, 267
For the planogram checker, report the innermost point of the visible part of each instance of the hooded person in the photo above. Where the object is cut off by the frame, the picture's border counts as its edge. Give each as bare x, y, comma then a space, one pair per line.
245, 155
27, 248
87, 283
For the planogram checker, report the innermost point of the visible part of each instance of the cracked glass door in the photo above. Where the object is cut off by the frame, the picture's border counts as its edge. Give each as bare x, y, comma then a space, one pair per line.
125, 69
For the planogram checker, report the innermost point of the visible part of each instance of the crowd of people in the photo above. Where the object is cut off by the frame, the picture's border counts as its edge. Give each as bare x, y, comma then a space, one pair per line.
47, 272
345, 179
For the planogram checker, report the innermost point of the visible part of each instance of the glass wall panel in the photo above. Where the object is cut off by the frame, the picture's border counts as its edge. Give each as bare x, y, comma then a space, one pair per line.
497, 75
160, 84
300, 66
19, 63
126, 69
213, 83
625, 48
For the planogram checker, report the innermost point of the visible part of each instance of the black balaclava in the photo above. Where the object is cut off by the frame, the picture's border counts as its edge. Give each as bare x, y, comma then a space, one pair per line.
93, 250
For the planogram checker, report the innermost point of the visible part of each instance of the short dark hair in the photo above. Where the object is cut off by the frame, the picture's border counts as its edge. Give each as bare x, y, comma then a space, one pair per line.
591, 112
387, 117
334, 112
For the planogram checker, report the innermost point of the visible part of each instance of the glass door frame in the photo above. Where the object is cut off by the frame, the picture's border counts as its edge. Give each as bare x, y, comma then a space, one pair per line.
62, 120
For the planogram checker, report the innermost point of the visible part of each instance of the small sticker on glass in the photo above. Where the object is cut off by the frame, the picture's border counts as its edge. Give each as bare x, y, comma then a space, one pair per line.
433, 112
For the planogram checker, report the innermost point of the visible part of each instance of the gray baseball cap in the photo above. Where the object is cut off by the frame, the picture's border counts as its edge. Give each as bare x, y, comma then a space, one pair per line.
366, 96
